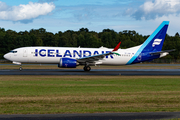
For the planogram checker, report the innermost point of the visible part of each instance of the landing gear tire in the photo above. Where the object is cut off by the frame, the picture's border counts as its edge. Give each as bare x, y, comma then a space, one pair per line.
20, 68
87, 68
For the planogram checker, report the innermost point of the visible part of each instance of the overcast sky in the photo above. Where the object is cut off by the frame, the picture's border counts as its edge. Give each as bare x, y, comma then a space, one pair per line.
143, 16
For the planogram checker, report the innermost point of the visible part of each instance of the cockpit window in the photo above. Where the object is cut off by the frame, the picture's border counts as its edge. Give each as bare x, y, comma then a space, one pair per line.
13, 51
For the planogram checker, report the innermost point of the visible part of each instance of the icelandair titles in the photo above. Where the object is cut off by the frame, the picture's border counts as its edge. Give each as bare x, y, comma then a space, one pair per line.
75, 53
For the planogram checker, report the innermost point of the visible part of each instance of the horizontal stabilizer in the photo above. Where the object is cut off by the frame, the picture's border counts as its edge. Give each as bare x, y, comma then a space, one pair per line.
160, 52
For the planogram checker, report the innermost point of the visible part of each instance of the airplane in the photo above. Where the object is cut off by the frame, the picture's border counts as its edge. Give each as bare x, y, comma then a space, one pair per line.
71, 57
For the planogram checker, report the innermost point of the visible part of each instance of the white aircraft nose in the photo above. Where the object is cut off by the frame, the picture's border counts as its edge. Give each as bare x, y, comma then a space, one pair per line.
6, 56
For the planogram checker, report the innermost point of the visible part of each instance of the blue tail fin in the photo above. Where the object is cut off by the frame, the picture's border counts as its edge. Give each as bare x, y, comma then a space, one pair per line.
153, 43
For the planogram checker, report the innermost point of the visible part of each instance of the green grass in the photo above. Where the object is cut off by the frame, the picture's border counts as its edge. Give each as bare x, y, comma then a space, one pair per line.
88, 94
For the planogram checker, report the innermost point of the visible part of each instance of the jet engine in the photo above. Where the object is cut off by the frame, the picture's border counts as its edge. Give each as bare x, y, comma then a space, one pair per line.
68, 63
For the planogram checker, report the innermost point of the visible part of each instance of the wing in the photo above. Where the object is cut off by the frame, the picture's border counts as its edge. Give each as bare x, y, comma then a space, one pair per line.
94, 58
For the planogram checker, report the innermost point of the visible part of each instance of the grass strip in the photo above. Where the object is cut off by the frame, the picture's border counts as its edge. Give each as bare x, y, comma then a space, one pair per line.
88, 94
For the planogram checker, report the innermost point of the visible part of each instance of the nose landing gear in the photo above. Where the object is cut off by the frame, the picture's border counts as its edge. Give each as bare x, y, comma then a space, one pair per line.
18, 63
20, 68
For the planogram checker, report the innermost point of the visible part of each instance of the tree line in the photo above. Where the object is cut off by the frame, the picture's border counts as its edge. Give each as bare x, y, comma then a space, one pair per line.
10, 39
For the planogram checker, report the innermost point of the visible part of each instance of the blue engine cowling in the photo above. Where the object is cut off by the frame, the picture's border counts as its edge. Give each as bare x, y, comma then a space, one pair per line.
67, 63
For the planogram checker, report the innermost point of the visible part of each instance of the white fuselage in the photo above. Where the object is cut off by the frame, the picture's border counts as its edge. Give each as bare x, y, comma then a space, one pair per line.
53, 54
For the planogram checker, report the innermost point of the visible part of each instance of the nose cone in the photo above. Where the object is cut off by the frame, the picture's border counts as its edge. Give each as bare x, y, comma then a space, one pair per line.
6, 56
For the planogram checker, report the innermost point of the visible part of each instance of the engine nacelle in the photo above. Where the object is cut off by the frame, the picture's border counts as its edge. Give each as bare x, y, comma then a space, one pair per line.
163, 54
68, 63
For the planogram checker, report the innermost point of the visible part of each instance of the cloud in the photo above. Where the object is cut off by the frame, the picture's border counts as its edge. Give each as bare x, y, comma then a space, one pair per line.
42, 1
3, 6
87, 13
25, 13
153, 9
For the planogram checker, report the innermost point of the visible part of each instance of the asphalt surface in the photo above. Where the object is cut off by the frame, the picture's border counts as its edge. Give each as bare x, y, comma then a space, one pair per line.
95, 116
127, 72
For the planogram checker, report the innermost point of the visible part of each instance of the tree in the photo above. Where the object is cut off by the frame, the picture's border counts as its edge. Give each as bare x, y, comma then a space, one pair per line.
83, 30
39, 42
177, 34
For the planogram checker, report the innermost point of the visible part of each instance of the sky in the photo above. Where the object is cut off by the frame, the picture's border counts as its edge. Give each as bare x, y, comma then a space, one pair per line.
143, 16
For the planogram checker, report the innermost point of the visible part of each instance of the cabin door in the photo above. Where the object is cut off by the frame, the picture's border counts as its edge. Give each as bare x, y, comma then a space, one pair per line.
25, 53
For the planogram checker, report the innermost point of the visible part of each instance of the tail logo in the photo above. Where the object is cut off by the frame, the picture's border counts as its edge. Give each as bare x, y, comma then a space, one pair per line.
156, 42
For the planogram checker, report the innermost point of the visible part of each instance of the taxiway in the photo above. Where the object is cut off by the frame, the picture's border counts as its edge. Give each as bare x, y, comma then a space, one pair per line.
95, 116
127, 72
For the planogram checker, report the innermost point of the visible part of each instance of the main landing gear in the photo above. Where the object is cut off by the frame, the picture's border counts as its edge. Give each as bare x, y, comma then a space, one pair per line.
87, 68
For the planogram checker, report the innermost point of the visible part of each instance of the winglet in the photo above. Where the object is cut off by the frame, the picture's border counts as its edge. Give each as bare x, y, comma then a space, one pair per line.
117, 47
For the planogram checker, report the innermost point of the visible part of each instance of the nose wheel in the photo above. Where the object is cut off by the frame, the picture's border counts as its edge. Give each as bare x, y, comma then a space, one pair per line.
87, 68
20, 68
